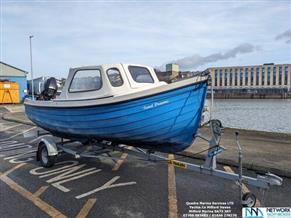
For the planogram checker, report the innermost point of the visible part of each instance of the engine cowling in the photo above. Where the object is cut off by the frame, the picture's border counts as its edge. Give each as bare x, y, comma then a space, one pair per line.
50, 89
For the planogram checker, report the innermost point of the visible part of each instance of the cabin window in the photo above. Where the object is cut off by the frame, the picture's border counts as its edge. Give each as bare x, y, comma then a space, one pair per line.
140, 74
86, 80
114, 77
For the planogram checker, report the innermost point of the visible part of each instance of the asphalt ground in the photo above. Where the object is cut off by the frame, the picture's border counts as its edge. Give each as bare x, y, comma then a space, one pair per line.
130, 187
262, 151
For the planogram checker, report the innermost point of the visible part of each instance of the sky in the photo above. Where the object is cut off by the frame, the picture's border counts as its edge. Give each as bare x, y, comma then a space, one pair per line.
194, 34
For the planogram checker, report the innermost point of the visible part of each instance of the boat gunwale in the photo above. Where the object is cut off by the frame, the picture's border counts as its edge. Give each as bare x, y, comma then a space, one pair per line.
123, 109
80, 103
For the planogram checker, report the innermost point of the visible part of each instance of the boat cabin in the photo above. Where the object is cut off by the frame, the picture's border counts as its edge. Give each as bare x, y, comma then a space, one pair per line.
108, 80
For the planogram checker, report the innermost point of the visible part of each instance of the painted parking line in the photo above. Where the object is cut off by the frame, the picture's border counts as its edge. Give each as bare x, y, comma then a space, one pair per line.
86, 208
74, 171
16, 152
9, 127
22, 157
41, 190
172, 194
50, 210
21, 133
12, 169
119, 162
245, 189
108, 185
8, 108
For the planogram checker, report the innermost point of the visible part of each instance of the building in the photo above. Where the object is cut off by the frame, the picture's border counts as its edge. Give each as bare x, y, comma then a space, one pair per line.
171, 73
266, 79
14, 74
173, 70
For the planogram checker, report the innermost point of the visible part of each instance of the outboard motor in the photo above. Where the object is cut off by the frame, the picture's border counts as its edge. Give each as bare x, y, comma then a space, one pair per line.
50, 90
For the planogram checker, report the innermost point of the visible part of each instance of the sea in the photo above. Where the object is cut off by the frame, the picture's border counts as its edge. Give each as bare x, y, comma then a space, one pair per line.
272, 115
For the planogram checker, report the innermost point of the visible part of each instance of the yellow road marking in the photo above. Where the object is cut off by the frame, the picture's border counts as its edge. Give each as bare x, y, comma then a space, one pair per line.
86, 208
41, 190
245, 189
120, 162
12, 169
50, 210
172, 195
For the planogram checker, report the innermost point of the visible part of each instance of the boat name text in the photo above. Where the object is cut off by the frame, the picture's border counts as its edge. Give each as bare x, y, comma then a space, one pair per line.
155, 104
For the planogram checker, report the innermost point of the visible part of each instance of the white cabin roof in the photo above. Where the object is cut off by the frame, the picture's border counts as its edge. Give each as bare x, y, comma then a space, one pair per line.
108, 80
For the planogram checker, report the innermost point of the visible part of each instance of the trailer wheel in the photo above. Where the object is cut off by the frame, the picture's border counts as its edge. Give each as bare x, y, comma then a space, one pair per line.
249, 200
45, 160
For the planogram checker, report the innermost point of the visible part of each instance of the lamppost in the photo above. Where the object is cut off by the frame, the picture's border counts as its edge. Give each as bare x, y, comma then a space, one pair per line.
31, 70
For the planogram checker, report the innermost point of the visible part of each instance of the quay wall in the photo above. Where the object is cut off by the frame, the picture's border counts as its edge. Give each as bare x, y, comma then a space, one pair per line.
249, 96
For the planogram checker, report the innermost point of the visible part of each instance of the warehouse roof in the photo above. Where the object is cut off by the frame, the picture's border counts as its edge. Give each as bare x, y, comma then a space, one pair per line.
9, 70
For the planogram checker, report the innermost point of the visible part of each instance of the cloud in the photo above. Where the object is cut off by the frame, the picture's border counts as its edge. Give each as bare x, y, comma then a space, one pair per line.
196, 60
76, 33
285, 36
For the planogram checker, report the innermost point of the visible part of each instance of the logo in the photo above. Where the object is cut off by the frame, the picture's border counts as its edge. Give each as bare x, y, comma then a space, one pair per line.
254, 212
266, 212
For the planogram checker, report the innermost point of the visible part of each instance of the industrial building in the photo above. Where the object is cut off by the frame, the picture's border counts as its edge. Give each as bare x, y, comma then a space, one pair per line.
171, 73
17, 79
256, 80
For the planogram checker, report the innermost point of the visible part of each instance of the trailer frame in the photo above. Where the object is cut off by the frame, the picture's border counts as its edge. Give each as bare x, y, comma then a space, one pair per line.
49, 147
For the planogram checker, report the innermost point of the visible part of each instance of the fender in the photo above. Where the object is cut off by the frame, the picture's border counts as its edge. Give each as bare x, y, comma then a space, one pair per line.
50, 145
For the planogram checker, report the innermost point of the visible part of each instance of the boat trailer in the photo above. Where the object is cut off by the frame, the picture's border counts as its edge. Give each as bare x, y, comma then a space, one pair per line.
49, 147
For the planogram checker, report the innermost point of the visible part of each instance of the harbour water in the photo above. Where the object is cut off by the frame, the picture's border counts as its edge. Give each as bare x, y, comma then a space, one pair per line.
272, 115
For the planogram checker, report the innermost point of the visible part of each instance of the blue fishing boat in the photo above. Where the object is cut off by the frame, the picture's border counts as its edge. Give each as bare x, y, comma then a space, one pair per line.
124, 104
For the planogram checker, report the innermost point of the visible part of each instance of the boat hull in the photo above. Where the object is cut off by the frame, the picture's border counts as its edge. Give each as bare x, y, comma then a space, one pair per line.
165, 122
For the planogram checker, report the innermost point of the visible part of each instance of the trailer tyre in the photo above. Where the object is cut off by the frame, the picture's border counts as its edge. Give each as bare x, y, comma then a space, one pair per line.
249, 200
45, 160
